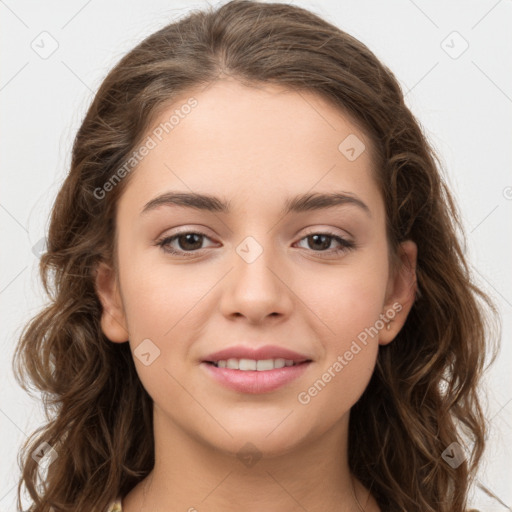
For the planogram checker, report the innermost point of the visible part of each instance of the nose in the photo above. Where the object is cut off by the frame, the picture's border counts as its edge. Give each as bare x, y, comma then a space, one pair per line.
258, 285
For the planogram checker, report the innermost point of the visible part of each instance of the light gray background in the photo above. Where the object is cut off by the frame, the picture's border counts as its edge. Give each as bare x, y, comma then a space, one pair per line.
463, 102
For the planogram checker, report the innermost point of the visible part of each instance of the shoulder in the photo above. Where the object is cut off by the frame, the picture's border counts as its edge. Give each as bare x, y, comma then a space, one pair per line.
115, 506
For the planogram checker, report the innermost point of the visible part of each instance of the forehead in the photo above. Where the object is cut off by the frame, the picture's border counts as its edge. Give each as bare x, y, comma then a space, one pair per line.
256, 142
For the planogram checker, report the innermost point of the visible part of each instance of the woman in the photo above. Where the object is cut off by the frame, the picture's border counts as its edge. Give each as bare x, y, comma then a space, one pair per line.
319, 345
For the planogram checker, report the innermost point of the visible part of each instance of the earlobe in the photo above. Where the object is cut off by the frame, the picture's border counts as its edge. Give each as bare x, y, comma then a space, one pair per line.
402, 288
113, 320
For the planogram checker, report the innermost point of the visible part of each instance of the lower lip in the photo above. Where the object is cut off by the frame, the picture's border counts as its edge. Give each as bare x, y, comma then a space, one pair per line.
252, 381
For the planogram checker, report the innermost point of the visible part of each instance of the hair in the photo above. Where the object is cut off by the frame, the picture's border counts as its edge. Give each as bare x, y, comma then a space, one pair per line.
423, 394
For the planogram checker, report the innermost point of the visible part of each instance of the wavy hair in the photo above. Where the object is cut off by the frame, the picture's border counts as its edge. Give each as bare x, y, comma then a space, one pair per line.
423, 394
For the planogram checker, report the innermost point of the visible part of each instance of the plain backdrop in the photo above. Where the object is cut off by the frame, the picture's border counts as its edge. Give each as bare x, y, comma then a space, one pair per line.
450, 58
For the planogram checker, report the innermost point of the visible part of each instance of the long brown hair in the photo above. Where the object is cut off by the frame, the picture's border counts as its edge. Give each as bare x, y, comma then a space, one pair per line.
422, 396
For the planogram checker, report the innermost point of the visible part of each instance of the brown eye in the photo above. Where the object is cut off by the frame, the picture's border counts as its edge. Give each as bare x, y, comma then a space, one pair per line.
321, 242
187, 242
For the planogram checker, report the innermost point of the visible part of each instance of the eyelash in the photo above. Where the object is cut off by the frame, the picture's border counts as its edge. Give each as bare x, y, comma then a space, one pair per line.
346, 245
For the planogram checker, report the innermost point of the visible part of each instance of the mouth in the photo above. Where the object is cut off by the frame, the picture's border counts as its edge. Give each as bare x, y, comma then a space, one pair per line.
259, 365
255, 376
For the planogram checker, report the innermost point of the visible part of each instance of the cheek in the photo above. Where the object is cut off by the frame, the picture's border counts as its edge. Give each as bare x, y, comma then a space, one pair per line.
349, 323
347, 304
348, 300
162, 305
159, 298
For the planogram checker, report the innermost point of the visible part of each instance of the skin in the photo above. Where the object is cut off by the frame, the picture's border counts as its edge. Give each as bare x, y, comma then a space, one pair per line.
253, 146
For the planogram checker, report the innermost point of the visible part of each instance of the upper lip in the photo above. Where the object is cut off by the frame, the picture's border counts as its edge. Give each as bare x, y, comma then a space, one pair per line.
261, 353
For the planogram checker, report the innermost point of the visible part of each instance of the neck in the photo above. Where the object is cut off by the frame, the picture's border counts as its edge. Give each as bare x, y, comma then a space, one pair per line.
192, 475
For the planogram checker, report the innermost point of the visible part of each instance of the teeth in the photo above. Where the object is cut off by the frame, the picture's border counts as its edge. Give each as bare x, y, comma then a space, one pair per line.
260, 365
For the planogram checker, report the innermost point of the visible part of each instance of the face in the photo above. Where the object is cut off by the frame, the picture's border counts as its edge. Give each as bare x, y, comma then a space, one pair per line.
314, 279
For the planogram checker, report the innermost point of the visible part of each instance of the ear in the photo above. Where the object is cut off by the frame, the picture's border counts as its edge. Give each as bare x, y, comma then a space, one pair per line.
113, 320
401, 291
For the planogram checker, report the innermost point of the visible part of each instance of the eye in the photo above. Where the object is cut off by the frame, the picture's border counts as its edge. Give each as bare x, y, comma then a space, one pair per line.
323, 240
189, 241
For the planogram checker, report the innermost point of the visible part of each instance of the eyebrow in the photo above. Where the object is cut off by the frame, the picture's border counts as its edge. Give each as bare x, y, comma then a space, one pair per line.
298, 204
